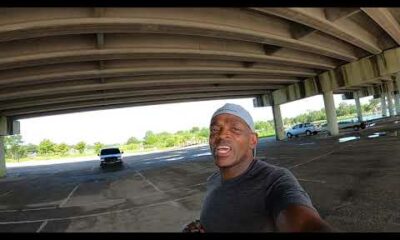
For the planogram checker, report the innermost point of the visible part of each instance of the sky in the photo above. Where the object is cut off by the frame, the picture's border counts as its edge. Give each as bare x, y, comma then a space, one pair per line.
118, 125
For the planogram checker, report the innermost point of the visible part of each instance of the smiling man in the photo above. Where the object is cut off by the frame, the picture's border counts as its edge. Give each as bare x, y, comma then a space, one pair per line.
246, 194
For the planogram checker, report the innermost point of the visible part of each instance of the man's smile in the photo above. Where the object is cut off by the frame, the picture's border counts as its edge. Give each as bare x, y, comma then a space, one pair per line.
222, 150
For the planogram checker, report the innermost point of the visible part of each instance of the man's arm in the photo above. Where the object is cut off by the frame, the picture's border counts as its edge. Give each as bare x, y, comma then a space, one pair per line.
298, 218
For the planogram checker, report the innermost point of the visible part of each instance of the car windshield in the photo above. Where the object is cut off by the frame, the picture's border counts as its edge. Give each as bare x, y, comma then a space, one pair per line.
109, 151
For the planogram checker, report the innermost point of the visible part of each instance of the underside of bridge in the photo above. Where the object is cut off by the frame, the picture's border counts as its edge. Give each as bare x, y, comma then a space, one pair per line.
59, 60
63, 60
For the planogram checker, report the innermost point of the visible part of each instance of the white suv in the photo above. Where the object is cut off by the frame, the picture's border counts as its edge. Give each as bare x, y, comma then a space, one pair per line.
110, 156
303, 128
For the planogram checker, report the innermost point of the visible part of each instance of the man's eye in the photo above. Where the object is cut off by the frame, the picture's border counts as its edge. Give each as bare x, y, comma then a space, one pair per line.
235, 129
214, 129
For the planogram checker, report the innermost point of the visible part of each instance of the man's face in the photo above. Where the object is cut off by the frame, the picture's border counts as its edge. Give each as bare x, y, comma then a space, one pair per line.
231, 140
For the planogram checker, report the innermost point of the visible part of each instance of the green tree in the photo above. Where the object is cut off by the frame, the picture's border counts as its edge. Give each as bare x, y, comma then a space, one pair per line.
46, 147
62, 149
132, 140
98, 146
150, 138
204, 133
31, 148
194, 129
14, 147
80, 147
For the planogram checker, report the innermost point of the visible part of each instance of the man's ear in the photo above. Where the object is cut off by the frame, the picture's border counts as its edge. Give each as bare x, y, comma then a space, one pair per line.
253, 140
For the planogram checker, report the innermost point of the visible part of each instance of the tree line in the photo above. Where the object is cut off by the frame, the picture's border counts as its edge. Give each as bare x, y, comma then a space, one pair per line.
15, 148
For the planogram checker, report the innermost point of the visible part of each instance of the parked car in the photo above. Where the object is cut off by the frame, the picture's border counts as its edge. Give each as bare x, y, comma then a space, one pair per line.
110, 156
355, 124
303, 128
344, 124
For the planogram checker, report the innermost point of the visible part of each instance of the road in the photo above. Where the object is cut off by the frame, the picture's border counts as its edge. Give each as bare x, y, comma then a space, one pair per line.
352, 180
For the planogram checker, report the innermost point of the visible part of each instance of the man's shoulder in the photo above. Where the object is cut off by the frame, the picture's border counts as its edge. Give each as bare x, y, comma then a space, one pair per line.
262, 166
271, 172
213, 176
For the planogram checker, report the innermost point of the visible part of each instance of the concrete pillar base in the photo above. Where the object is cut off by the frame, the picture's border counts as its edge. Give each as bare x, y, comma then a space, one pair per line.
397, 103
383, 105
2, 158
279, 130
389, 94
358, 107
330, 111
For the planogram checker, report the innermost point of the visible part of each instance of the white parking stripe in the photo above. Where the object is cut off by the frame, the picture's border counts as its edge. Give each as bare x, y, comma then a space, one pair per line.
96, 214
308, 180
316, 158
146, 180
42, 226
6, 193
69, 196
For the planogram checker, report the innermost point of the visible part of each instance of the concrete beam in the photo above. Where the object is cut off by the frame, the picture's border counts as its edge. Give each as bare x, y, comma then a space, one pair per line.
58, 57
123, 93
330, 111
134, 84
386, 20
53, 27
62, 75
355, 36
334, 14
278, 122
133, 102
364, 71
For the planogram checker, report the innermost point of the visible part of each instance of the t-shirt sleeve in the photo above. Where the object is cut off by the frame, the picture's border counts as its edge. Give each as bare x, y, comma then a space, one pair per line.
286, 191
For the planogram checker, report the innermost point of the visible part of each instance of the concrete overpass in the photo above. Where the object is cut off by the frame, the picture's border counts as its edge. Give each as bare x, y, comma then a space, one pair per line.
63, 60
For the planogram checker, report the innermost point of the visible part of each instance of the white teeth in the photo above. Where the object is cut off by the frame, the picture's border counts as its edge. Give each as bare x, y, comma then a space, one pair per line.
223, 149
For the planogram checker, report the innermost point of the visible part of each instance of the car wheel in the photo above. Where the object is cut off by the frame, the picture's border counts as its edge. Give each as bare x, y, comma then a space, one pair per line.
356, 128
308, 133
289, 135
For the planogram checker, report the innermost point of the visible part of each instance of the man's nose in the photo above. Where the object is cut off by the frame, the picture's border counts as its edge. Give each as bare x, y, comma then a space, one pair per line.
224, 133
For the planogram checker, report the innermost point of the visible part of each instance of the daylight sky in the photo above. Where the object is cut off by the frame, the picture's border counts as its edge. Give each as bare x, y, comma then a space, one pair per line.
117, 125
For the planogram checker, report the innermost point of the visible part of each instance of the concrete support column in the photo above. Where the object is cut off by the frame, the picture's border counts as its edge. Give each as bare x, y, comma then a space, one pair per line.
2, 158
3, 132
389, 87
330, 111
397, 103
358, 106
383, 105
279, 130
397, 96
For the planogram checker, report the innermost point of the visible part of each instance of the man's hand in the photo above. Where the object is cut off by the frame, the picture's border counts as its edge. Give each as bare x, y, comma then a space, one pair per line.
297, 218
194, 226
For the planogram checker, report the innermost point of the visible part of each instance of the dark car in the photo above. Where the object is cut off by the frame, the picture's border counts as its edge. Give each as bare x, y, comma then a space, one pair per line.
110, 156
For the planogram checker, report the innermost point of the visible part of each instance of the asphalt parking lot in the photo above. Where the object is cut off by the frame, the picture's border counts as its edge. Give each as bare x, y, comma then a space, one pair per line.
352, 179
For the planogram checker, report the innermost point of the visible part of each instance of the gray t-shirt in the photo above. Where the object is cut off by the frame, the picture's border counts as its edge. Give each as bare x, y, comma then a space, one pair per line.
252, 201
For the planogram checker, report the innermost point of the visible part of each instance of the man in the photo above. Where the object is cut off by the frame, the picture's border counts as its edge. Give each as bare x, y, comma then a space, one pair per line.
249, 195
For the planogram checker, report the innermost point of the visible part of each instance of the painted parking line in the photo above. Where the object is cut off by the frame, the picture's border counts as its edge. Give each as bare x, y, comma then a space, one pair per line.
6, 193
310, 180
313, 159
96, 214
42, 226
148, 181
69, 196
